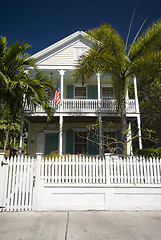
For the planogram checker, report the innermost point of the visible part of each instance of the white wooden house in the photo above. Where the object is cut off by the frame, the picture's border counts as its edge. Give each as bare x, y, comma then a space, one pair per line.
79, 107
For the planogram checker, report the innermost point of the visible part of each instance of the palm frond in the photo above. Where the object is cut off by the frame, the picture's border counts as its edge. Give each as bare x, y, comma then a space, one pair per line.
149, 66
148, 41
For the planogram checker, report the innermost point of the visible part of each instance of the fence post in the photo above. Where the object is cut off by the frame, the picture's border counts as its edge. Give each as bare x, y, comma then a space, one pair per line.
2, 157
38, 189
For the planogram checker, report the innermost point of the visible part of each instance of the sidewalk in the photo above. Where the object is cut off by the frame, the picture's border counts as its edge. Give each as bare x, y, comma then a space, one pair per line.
88, 225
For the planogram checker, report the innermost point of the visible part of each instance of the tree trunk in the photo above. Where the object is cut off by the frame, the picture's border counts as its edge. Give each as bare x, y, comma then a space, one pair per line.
21, 133
123, 119
10, 124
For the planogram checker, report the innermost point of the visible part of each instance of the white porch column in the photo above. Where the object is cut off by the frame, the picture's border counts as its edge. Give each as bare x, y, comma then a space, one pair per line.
99, 87
139, 131
61, 135
100, 135
21, 133
61, 72
136, 96
99, 117
138, 113
129, 139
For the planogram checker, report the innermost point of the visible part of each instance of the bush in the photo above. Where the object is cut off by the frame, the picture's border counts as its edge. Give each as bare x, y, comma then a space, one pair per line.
150, 152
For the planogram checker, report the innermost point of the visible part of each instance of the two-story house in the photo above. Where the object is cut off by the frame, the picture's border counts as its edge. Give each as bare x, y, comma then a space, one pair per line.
80, 105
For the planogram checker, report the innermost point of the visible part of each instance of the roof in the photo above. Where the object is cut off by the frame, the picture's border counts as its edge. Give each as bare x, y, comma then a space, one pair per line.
65, 41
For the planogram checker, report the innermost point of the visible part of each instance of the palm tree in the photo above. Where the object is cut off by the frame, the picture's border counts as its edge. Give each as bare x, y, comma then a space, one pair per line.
15, 81
110, 55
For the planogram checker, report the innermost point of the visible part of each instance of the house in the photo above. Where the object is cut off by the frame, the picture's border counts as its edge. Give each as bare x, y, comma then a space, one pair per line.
80, 105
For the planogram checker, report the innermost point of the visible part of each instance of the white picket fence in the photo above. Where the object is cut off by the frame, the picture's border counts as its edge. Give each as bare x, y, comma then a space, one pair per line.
22, 179
108, 170
17, 179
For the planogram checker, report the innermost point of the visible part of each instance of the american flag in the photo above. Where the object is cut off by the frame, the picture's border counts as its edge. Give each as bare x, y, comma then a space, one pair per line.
57, 93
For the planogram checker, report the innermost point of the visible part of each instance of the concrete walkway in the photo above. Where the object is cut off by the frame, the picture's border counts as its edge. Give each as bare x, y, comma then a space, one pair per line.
88, 225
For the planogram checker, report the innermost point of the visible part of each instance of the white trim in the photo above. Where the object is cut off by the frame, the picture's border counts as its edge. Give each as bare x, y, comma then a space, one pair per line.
60, 135
56, 67
59, 50
80, 85
82, 49
106, 85
59, 44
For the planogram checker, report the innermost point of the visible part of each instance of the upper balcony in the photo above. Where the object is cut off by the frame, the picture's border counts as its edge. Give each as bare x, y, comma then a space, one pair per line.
87, 106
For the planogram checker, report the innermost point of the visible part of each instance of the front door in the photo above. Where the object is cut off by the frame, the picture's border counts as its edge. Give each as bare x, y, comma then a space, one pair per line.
51, 142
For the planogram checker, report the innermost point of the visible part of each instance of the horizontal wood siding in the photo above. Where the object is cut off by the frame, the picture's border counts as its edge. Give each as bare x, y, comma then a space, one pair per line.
34, 129
64, 57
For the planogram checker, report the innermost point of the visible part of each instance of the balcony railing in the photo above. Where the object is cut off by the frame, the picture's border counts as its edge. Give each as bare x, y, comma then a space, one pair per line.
86, 105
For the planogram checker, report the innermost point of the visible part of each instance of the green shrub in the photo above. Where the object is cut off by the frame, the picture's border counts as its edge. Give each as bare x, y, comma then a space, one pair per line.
150, 152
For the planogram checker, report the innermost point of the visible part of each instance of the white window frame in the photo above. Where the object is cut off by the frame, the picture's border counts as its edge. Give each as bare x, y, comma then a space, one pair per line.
107, 85
80, 85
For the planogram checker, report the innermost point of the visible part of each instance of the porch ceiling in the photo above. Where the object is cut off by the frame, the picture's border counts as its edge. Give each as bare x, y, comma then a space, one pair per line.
41, 119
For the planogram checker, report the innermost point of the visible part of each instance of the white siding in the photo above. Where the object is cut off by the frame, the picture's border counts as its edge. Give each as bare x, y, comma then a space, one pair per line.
35, 128
65, 56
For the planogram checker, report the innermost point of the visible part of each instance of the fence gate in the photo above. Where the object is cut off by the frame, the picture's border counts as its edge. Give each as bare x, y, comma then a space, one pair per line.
17, 184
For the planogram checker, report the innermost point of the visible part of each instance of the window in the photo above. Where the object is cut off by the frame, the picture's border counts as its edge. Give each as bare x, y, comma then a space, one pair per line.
80, 92
109, 142
81, 142
78, 51
107, 92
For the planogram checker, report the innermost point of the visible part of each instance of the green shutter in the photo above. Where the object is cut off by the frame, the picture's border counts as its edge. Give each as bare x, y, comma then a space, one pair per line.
92, 92
70, 91
51, 142
119, 145
93, 148
69, 141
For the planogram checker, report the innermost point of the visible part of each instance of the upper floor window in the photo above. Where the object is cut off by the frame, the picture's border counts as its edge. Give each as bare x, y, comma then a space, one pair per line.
107, 92
78, 51
80, 93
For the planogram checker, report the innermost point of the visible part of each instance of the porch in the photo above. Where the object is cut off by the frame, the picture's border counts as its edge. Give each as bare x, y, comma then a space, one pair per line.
85, 105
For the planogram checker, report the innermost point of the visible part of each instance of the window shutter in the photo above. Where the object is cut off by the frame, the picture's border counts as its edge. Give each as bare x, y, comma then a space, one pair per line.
93, 148
92, 92
70, 91
69, 142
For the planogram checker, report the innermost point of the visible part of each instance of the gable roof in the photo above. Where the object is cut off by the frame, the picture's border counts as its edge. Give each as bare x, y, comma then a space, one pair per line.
79, 35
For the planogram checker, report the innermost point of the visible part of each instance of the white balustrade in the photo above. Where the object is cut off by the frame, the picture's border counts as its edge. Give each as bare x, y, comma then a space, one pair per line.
85, 105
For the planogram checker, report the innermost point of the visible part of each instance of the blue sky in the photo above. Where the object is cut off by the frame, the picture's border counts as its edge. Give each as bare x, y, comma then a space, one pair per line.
42, 23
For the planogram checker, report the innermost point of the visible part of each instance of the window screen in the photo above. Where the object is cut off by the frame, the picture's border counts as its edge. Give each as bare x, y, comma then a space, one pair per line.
107, 92
80, 92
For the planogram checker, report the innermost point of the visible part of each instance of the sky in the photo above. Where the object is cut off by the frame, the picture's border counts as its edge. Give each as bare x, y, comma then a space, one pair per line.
44, 22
